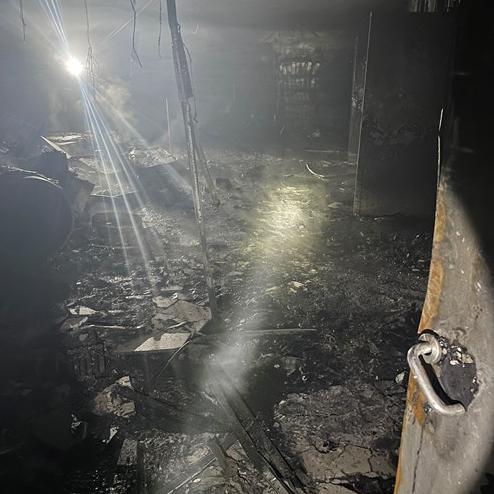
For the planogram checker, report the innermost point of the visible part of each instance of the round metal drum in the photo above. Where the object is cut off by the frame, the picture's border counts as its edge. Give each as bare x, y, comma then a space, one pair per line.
35, 216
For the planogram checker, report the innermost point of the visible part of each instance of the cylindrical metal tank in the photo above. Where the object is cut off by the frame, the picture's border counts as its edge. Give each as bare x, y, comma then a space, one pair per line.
35, 216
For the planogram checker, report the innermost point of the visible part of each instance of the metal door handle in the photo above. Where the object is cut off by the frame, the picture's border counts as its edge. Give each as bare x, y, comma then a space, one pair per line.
430, 349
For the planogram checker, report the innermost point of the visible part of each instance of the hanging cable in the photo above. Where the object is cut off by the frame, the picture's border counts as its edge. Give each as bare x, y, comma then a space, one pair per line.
161, 28
23, 22
90, 63
120, 28
135, 55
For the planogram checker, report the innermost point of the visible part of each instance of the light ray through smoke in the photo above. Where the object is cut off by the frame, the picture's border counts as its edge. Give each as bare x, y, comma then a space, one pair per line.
113, 157
108, 153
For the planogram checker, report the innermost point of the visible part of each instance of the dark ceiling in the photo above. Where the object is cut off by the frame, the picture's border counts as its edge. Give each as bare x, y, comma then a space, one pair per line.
262, 14
277, 13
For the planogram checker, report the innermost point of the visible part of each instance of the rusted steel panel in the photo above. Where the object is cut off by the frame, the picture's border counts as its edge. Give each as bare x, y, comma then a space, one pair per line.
452, 454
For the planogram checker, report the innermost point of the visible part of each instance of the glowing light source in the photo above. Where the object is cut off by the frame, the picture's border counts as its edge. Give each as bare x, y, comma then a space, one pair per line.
74, 66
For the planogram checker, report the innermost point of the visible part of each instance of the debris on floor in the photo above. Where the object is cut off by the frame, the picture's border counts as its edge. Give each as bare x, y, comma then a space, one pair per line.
304, 401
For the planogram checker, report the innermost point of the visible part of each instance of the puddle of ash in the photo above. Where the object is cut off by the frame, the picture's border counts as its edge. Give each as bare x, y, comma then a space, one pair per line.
287, 252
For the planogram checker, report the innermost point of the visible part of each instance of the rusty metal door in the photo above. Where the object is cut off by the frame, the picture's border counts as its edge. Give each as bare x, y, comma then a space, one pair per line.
442, 452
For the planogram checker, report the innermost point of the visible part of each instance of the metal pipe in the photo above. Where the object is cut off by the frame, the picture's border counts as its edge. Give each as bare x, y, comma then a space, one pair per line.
184, 86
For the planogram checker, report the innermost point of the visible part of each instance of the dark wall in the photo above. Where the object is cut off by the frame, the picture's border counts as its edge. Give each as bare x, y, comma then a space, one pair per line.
408, 68
318, 114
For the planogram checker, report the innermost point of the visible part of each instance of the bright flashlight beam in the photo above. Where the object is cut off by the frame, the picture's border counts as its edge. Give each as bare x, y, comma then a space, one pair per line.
74, 67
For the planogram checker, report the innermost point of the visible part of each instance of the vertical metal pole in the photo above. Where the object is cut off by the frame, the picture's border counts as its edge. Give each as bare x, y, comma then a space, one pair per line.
205, 167
169, 126
184, 86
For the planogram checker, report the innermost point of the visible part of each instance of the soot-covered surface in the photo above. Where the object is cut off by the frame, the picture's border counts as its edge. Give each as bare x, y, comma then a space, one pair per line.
287, 252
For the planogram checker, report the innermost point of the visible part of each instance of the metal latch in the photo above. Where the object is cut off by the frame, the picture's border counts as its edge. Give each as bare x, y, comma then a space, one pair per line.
429, 348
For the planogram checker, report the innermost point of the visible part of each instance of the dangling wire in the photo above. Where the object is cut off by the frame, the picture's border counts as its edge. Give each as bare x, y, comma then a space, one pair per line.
23, 22
135, 55
161, 28
90, 63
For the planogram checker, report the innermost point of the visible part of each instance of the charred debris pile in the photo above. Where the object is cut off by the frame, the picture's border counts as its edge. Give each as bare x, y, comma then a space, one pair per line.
117, 376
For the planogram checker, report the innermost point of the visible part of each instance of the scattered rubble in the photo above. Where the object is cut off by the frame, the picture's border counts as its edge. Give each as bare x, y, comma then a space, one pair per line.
319, 309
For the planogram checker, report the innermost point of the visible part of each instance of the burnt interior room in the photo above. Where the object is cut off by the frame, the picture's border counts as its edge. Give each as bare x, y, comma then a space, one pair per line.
245, 247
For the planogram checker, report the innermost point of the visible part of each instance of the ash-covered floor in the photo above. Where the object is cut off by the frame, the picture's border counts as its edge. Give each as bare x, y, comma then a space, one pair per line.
88, 409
